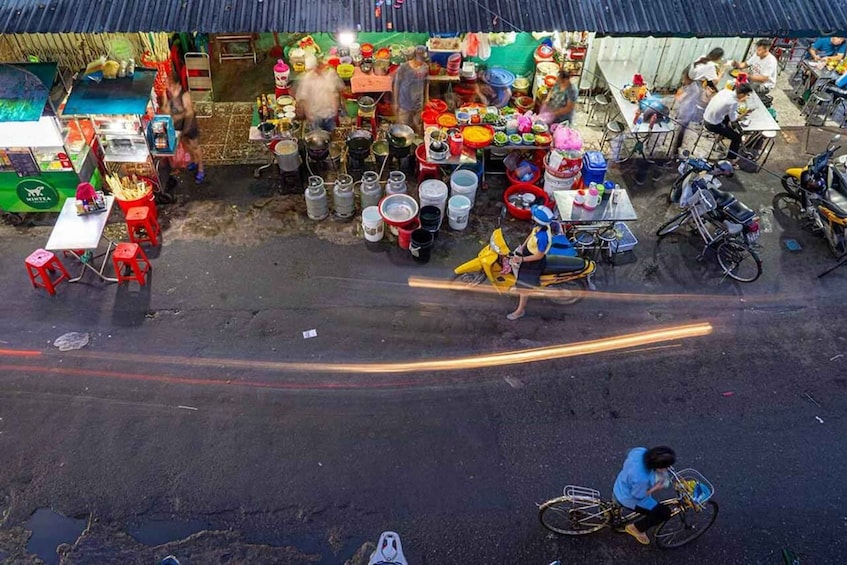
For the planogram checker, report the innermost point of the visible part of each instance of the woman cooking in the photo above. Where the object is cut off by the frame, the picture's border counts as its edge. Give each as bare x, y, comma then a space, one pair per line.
178, 103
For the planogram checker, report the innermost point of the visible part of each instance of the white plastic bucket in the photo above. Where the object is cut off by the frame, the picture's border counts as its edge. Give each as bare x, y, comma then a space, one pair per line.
553, 183
464, 182
458, 210
433, 192
372, 224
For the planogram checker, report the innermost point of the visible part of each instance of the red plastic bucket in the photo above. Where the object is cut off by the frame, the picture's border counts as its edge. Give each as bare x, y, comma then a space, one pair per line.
404, 233
148, 200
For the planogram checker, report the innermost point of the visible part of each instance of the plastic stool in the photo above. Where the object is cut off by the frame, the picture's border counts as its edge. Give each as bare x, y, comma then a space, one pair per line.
767, 147
138, 218
817, 101
715, 138
130, 256
601, 100
426, 170
39, 265
612, 130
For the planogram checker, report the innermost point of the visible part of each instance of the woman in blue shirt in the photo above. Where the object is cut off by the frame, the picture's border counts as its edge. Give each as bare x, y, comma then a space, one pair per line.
644, 472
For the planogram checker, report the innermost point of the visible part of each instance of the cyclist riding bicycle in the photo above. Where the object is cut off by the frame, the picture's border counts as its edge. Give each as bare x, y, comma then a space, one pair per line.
644, 472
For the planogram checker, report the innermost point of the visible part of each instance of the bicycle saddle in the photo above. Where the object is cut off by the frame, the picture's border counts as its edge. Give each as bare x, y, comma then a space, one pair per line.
560, 264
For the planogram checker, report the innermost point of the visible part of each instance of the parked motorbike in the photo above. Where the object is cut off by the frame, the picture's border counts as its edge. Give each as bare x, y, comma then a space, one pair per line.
821, 190
389, 551
564, 271
691, 168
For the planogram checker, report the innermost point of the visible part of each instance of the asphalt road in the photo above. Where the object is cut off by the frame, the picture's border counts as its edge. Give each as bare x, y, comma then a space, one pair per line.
199, 405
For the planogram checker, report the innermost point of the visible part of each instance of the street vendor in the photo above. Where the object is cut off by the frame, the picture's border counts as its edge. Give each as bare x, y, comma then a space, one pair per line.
560, 104
409, 84
318, 94
763, 69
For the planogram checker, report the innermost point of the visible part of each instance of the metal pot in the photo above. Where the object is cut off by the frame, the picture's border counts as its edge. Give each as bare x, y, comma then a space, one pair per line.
317, 143
381, 67
267, 130
287, 155
367, 105
401, 135
438, 150
359, 143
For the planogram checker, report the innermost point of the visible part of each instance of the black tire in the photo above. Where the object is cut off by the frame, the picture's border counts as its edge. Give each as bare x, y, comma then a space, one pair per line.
738, 261
676, 190
567, 293
791, 186
469, 280
686, 526
673, 224
560, 516
626, 148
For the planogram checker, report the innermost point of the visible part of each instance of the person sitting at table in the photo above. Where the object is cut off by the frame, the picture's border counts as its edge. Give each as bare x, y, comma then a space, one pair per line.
763, 70
827, 48
560, 104
722, 113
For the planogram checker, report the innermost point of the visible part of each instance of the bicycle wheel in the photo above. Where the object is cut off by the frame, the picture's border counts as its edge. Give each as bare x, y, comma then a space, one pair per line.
623, 147
570, 292
791, 186
566, 516
738, 261
673, 224
686, 526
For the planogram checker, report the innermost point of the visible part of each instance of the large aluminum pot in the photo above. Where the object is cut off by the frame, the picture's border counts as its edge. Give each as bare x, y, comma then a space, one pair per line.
317, 143
287, 154
401, 135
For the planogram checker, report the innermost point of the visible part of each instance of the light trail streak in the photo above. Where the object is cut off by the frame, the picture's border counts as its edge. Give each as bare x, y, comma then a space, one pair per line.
547, 353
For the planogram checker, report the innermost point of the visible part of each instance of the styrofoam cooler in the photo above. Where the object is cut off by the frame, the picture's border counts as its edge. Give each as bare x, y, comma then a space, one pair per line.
593, 167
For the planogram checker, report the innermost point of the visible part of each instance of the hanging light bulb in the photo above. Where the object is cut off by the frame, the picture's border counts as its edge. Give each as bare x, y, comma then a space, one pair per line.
346, 38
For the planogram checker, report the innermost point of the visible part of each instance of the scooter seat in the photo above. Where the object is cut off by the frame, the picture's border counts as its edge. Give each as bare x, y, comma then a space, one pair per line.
836, 203
722, 198
739, 212
561, 264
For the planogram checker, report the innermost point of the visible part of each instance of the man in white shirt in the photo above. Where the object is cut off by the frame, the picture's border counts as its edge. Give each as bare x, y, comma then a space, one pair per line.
763, 68
720, 114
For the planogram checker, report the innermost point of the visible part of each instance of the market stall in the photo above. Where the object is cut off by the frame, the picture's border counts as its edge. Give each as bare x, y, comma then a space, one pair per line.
128, 136
42, 158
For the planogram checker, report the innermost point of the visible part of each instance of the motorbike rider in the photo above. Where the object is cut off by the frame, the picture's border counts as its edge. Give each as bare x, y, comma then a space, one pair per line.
644, 472
531, 257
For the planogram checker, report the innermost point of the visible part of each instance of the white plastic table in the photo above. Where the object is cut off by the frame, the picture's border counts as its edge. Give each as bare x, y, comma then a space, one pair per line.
73, 232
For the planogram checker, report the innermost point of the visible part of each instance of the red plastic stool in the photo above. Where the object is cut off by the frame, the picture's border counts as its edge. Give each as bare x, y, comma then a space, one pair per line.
139, 218
39, 265
371, 117
130, 256
426, 170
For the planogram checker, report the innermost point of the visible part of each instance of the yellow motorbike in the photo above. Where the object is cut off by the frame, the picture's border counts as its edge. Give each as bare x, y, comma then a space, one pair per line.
562, 274
821, 190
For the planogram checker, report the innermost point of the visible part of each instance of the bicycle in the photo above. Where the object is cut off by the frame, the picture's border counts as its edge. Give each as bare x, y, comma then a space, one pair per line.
726, 226
581, 511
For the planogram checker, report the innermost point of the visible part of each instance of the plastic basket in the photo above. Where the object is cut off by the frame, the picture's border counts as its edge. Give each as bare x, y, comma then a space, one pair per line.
625, 241
703, 202
698, 487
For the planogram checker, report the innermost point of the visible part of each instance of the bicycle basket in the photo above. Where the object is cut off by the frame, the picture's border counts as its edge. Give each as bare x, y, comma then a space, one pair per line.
703, 201
696, 487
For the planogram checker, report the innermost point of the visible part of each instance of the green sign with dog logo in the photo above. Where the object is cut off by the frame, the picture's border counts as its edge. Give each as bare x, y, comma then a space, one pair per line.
37, 194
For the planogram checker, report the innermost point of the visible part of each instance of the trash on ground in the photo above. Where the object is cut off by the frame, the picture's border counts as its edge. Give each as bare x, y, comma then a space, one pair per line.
793, 245
818, 418
310, 333
71, 340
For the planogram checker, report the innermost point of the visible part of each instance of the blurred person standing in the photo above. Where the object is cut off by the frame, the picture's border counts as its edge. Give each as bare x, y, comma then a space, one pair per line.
408, 91
318, 94
179, 105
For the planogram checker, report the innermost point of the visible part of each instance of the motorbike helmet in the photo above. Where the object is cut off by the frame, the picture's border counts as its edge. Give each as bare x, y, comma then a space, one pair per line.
812, 183
542, 215
660, 457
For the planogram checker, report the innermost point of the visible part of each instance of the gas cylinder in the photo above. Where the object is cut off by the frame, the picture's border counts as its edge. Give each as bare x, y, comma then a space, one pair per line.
343, 201
371, 191
317, 207
396, 183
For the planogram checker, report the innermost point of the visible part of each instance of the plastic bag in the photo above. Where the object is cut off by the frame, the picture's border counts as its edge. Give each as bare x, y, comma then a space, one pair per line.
181, 157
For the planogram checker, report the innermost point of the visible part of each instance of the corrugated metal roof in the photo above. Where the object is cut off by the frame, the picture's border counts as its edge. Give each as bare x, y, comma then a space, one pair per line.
606, 17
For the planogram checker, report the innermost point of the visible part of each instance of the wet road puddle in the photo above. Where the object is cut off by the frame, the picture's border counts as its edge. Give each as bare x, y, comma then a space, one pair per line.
158, 531
49, 530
